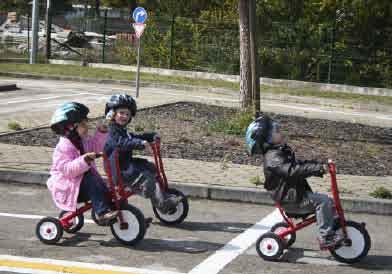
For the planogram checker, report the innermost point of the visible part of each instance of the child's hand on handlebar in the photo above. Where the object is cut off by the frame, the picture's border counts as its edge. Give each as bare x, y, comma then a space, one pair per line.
147, 147
157, 137
90, 157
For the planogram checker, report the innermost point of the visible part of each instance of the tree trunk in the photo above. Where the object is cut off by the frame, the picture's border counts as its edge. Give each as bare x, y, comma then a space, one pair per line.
254, 57
245, 72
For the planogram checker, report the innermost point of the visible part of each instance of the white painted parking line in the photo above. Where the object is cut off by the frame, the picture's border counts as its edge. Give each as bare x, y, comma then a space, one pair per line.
32, 217
41, 265
378, 116
44, 98
217, 261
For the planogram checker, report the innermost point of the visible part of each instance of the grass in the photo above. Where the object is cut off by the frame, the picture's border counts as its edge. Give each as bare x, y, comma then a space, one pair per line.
256, 181
381, 193
14, 125
234, 125
100, 73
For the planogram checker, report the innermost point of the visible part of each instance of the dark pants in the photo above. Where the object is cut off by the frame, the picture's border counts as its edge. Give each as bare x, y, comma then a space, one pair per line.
314, 202
143, 180
93, 188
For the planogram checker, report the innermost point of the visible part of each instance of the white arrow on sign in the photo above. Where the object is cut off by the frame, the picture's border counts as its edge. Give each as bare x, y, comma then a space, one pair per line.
139, 29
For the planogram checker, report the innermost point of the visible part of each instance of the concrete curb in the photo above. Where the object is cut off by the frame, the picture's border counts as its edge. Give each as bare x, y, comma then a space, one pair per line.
236, 78
214, 192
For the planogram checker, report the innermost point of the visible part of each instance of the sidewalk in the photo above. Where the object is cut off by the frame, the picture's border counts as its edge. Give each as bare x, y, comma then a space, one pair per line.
36, 101
38, 159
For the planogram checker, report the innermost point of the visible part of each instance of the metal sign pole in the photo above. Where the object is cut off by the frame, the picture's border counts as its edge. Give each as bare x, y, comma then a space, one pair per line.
139, 15
138, 67
35, 30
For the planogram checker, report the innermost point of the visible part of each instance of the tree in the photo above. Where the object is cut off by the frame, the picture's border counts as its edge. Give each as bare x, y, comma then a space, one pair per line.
20, 6
245, 70
254, 58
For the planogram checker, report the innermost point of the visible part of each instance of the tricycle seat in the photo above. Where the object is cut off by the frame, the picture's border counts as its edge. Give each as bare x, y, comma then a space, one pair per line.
298, 212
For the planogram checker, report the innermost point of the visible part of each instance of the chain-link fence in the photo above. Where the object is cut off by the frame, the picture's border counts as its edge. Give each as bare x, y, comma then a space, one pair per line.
285, 50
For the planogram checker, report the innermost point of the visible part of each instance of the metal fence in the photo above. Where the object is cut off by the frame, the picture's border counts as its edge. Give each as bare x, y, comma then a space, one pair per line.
194, 44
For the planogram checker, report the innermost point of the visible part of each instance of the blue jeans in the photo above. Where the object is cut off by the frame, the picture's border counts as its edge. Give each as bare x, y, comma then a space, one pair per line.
93, 188
324, 213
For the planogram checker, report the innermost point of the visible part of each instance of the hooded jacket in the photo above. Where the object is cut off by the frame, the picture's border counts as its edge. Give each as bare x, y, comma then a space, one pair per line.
285, 176
125, 142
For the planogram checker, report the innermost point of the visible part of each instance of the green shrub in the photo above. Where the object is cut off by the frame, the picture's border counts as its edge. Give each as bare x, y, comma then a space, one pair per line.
139, 128
235, 125
14, 125
382, 193
256, 181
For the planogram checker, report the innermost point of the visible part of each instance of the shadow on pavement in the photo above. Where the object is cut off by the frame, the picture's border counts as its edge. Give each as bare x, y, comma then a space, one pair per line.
216, 227
159, 245
375, 262
311, 256
79, 238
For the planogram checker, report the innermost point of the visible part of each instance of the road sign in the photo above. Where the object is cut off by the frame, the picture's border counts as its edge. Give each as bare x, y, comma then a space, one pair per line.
139, 15
139, 29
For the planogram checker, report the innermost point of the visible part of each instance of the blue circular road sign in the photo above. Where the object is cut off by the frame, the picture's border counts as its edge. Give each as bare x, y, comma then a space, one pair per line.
139, 15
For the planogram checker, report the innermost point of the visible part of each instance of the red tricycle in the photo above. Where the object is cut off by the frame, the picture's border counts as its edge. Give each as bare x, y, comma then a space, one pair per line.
353, 248
130, 226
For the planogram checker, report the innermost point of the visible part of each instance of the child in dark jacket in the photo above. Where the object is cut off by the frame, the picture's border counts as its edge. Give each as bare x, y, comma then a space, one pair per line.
138, 174
285, 177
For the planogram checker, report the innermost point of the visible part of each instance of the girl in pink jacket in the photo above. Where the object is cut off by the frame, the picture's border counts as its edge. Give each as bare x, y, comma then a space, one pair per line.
73, 175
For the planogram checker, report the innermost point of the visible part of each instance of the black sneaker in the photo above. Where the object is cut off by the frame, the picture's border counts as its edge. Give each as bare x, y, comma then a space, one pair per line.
169, 206
331, 241
107, 216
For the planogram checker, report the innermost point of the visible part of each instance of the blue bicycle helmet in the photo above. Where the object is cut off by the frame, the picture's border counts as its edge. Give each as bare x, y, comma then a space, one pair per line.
67, 115
257, 134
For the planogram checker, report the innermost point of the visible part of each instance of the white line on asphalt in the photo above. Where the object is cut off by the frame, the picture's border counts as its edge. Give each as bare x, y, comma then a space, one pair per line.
200, 97
44, 263
44, 98
216, 262
32, 217
381, 117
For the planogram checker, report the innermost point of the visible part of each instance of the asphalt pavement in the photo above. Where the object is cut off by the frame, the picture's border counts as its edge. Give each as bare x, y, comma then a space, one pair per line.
220, 232
33, 104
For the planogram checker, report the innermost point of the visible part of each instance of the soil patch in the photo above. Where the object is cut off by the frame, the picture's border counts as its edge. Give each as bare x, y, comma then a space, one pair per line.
186, 133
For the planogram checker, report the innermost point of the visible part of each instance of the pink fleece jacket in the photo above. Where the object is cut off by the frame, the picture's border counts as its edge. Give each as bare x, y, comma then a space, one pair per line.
68, 168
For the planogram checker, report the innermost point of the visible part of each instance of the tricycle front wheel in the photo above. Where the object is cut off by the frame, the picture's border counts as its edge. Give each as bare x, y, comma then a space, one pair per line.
358, 244
178, 214
133, 228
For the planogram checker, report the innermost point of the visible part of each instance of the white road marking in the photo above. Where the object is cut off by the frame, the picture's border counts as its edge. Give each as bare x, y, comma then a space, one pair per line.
44, 98
216, 262
33, 217
381, 117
